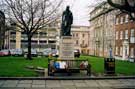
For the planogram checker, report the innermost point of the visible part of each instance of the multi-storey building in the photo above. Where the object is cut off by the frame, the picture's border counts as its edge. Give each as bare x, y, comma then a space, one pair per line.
91, 41
125, 36
81, 38
45, 38
102, 20
49, 38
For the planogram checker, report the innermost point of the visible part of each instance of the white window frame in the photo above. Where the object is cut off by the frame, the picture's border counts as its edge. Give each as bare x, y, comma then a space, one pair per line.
132, 36
117, 21
121, 35
126, 19
126, 34
121, 20
132, 53
117, 35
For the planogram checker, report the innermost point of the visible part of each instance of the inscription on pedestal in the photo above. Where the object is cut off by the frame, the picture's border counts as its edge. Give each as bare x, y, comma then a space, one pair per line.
66, 48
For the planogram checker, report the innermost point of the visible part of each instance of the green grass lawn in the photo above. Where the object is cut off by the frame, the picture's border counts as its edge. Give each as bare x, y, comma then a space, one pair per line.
15, 66
122, 67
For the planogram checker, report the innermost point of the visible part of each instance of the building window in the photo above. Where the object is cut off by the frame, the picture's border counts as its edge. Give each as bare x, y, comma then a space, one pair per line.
76, 42
121, 20
126, 34
73, 35
83, 35
121, 51
132, 53
117, 34
83, 42
132, 36
126, 19
121, 34
76, 34
117, 21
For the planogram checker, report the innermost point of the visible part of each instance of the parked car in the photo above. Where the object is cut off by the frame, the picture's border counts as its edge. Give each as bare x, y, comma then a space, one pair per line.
12, 52
1, 53
55, 53
19, 52
4, 52
77, 53
47, 52
34, 53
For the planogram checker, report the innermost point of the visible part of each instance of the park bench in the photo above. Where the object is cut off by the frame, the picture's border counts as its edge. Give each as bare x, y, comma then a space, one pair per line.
69, 67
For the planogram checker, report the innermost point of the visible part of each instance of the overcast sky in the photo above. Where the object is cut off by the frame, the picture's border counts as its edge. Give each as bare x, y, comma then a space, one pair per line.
80, 10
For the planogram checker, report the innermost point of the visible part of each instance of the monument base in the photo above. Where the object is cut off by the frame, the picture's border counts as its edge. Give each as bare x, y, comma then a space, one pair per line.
66, 51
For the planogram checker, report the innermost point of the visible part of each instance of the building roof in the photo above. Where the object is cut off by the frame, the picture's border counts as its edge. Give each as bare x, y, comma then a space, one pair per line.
102, 12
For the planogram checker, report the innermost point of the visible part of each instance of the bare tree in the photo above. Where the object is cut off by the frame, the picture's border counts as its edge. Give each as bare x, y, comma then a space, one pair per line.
32, 15
2, 29
124, 7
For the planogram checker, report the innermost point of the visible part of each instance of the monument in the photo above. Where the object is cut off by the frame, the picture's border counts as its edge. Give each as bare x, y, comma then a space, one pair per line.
66, 51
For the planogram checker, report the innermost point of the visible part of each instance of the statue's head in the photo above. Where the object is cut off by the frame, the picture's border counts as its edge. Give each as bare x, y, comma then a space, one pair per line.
68, 7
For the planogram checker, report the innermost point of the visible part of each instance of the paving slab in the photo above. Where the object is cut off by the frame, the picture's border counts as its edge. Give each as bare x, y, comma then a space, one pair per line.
81, 84
78, 81
1, 82
87, 88
91, 83
113, 82
69, 87
9, 85
63, 88
39, 82
11, 81
39, 86
25, 81
105, 88
66, 83
103, 83
24, 85
53, 85
52, 81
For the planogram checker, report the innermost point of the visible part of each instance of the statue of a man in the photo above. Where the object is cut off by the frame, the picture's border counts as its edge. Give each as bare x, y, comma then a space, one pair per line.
67, 21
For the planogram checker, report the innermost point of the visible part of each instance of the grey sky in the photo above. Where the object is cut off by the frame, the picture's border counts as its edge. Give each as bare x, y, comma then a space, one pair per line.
80, 9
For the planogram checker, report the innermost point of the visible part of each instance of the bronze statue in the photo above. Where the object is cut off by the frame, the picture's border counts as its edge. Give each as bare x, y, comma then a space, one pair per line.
67, 21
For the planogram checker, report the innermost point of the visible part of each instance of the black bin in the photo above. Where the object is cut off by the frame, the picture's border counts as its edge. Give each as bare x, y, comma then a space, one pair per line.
109, 66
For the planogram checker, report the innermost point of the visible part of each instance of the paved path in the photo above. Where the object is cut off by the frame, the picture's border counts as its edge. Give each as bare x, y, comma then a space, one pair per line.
68, 84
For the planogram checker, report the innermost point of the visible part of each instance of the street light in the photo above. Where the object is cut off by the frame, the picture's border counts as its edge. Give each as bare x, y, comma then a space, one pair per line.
128, 6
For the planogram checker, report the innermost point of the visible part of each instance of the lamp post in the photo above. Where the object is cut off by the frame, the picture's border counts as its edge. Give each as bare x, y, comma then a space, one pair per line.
128, 6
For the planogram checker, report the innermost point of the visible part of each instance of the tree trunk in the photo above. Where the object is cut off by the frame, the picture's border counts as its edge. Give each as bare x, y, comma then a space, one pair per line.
29, 48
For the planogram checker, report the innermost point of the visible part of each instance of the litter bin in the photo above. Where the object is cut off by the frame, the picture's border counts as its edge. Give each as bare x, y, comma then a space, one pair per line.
109, 66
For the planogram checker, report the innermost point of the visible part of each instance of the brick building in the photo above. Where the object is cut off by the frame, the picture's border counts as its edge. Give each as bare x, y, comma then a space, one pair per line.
124, 37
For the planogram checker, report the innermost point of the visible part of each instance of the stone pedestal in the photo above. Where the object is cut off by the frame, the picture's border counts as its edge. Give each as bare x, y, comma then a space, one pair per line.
66, 51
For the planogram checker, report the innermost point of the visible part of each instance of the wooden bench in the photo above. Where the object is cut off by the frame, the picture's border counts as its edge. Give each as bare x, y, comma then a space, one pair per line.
72, 66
